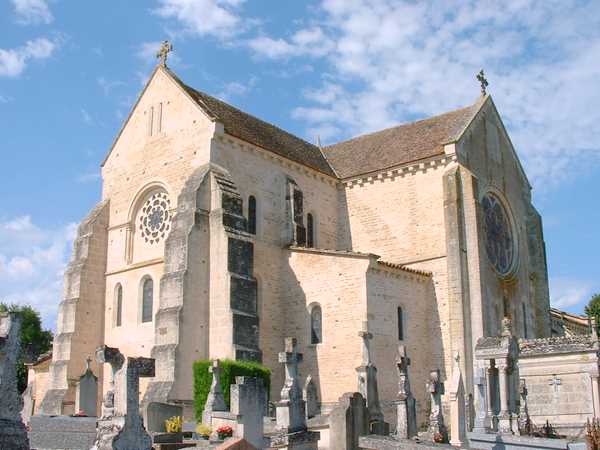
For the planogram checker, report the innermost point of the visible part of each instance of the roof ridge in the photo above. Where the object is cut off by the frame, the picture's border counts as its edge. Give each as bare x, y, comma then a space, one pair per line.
400, 125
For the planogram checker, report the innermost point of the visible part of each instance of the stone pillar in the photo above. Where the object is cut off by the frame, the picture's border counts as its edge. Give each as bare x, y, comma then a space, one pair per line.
504, 416
595, 392
291, 418
215, 401
367, 385
436, 429
406, 426
13, 434
490, 388
458, 428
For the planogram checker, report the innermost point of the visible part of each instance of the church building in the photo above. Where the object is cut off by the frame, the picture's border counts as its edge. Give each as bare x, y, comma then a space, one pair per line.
218, 235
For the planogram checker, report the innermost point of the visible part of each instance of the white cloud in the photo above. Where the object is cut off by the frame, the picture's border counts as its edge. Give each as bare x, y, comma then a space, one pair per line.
32, 12
14, 61
86, 117
217, 18
88, 177
387, 62
568, 292
236, 89
108, 86
32, 261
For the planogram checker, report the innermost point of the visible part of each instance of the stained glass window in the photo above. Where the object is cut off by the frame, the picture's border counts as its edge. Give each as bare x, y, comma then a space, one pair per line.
498, 234
154, 220
119, 305
316, 332
147, 299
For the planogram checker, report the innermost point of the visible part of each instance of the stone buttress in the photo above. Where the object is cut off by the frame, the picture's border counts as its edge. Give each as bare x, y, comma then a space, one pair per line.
84, 297
207, 303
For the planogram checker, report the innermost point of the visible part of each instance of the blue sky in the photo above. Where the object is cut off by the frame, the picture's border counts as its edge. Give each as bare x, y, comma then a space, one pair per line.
70, 71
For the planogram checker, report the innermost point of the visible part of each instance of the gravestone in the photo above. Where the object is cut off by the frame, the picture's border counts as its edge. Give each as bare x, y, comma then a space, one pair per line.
311, 398
348, 421
458, 427
481, 417
13, 434
524, 420
406, 410
87, 392
291, 430
155, 415
435, 387
248, 403
28, 403
367, 385
215, 401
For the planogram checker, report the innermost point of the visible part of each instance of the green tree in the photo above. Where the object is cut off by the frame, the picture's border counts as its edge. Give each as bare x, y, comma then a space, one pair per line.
34, 339
593, 310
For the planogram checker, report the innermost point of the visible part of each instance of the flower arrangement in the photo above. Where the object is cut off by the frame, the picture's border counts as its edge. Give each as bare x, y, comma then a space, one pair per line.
225, 431
174, 424
203, 430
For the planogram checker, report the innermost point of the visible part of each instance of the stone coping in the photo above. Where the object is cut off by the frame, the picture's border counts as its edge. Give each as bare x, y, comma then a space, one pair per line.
488, 440
377, 442
559, 344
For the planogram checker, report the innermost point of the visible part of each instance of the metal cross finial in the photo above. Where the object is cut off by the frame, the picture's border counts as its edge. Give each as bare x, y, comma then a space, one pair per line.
163, 52
484, 82
88, 361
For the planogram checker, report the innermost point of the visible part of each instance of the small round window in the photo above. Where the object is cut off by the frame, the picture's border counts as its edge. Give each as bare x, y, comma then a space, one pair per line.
499, 242
154, 219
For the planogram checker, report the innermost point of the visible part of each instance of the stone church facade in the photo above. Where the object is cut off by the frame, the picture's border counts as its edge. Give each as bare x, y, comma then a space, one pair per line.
218, 235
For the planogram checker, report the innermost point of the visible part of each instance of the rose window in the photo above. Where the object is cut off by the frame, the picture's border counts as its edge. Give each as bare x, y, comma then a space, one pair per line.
155, 218
499, 241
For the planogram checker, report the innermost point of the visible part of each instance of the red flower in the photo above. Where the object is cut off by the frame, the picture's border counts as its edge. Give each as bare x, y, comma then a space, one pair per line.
225, 430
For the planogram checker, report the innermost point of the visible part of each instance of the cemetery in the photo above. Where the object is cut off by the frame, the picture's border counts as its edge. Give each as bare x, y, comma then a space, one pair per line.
250, 420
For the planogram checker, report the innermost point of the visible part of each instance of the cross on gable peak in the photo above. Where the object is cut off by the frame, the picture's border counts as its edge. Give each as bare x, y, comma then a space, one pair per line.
483, 81
163, 51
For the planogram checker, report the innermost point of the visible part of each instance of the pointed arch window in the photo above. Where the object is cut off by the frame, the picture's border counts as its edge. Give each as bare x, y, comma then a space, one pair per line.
316, 325
252, 214
147, 299
118, 305
310, 230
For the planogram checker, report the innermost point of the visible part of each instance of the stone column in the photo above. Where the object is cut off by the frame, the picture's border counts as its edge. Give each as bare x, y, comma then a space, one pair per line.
595, 393
504, 416
13, 434
489, 387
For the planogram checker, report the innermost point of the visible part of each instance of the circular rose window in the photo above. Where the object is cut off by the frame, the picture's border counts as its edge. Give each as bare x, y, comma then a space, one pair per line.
155, 218
499, 242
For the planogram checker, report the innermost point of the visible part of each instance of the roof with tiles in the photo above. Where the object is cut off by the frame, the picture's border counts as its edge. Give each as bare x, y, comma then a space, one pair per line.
399, 145
258, 132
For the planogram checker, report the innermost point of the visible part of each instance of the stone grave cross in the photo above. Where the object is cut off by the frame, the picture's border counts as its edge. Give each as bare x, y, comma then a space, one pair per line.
435, 387
115, 358
366, 349
555, 382
406, 411
13, 434
367, 384
291, 408
215, 401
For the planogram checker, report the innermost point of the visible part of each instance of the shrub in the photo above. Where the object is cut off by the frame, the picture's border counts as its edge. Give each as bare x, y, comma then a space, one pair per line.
229, 370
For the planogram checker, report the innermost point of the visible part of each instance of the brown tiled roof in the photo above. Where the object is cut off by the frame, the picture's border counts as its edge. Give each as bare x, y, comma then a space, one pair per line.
258, 132
398, 145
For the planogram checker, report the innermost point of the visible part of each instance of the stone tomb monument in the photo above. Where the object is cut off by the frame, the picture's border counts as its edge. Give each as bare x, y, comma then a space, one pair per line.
13, 434
86, 392
348, 421
290, 410
367, 386
121, 426
311, 398
406, 426
215, 401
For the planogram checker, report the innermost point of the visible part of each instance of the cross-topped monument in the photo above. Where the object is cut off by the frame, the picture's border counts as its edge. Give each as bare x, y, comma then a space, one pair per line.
366, 337
406, 426
484, 82
165, 48
215, 400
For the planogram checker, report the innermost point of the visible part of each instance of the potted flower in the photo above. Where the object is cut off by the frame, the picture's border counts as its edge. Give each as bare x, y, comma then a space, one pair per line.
224, 432
203, 431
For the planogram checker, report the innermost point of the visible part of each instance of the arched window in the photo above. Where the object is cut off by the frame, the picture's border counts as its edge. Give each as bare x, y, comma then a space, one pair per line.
316, 326
400, 325
118, 305
147, 299
310, 231
252, 214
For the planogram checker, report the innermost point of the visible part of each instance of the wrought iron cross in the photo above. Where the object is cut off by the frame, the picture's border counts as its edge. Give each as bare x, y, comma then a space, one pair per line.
163, 52
484, 82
